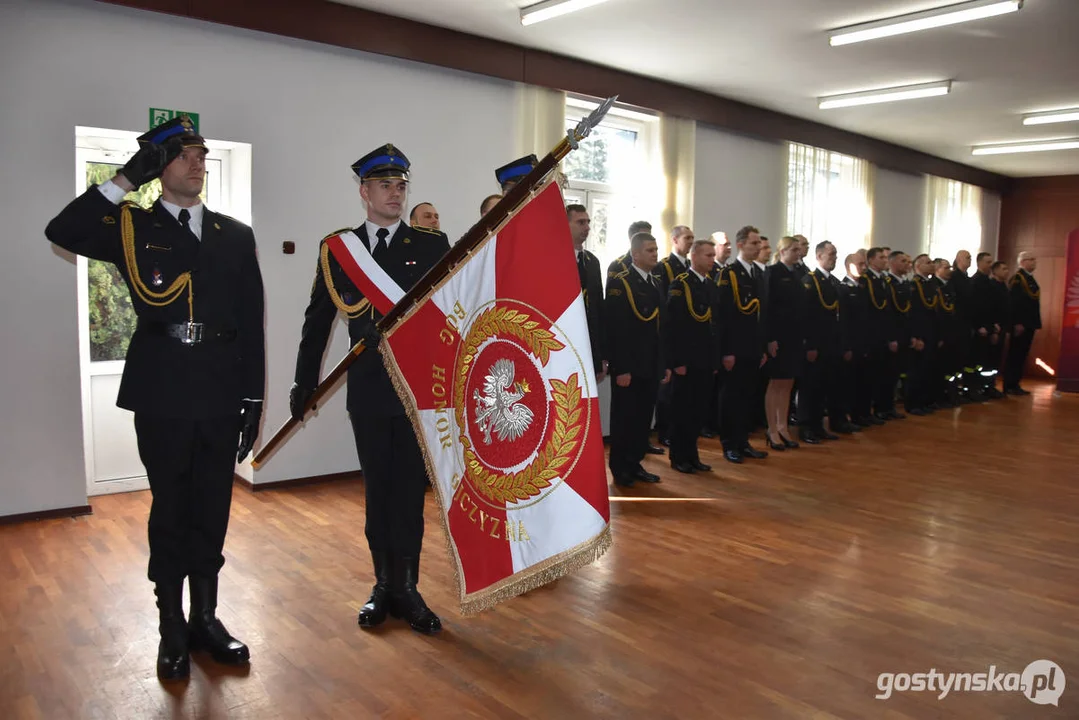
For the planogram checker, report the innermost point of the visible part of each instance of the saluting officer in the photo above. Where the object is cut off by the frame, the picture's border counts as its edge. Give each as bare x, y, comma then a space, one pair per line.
194, 371
393, 467
635, 360
741, 345
691, 341
591, 285
1026, 319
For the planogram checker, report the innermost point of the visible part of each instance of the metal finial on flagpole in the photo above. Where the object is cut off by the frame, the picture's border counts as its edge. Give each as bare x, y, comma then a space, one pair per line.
585, 127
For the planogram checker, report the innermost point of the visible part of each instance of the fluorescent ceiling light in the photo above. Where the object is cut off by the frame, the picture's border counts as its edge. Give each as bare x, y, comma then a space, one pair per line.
870, 97
926, 20
553, 8
1027, 147
1057, 116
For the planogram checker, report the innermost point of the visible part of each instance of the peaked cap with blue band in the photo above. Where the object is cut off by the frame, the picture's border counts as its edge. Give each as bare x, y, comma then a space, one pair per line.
514, 171
385, 162
179, 127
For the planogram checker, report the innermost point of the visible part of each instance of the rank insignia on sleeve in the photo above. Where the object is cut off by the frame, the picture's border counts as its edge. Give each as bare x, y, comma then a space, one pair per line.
109, 220
614, 291
676, 292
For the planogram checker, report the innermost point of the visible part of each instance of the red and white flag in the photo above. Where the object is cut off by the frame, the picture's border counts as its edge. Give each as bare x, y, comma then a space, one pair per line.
495, 369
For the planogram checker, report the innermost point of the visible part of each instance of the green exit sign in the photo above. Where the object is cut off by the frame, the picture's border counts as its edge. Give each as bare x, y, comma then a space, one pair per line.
161, 115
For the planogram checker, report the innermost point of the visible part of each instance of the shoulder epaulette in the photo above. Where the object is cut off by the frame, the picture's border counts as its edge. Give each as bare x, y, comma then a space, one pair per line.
620, 275
683, 276
337, 232
428, 230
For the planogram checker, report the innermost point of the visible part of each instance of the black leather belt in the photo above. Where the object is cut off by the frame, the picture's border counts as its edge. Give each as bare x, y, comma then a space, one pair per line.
189, 333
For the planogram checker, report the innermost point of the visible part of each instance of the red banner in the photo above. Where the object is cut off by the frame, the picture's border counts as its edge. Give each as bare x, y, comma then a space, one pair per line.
1068, 366
495, 368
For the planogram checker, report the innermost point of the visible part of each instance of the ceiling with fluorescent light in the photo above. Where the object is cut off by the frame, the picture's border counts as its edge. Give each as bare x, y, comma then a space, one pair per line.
775, 54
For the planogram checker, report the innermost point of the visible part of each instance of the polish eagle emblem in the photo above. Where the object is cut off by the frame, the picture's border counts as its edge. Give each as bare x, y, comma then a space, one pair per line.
499, 408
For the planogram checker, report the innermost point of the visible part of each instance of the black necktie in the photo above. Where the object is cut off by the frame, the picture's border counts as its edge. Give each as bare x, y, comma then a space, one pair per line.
185, 221
580, 269
380, 243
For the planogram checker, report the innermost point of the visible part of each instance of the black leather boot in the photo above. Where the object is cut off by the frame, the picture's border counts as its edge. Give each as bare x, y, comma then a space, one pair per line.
405, 600
373, 613
206, 632
173, 662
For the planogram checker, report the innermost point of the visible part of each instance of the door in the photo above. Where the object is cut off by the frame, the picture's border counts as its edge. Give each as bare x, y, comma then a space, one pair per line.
107, 320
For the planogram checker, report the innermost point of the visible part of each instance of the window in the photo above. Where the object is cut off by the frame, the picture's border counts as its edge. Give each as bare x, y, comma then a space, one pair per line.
829, 198
953, 217
607, 174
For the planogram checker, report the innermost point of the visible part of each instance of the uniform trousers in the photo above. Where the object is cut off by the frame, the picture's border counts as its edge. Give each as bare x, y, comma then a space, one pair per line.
894, 365
190, 465
921, 376
631, 419
821, 390
394, 480
736, 401
664, 421
1016, 361
861, 386
689, 406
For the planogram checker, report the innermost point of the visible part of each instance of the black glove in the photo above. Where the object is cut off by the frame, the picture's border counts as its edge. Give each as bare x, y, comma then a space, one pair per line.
297, 399
150, 161
250, 415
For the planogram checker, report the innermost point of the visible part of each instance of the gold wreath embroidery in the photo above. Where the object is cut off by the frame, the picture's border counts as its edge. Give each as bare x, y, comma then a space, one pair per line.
548, 463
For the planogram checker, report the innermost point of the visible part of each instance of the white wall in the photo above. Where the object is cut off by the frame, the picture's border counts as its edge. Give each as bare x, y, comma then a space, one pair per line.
899, 212
990, 222
309, 112
738, 181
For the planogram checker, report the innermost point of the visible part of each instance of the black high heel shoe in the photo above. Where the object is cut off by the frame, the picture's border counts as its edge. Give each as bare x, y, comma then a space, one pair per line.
780, 447
787, 442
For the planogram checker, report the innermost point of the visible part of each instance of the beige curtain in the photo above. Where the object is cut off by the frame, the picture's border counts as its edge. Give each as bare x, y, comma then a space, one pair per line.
953, 217
541, 119
675, 152
829, 197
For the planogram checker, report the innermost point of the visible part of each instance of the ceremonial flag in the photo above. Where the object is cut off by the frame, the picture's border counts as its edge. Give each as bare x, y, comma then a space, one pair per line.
494, 367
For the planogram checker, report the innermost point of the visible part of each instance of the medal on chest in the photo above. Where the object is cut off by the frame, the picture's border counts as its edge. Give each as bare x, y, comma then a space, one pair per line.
156, 278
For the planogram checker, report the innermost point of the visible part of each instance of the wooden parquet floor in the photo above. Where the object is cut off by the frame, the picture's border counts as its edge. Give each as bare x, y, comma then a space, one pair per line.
776, 589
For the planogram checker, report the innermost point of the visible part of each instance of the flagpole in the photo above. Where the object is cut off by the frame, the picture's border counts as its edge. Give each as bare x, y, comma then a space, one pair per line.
479, 232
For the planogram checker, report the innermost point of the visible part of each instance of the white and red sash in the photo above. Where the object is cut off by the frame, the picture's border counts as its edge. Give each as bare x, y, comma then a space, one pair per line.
364, 271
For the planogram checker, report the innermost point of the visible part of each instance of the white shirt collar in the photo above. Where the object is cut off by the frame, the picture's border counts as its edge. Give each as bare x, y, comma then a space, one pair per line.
824, 272
195, 223
747, 265
875, 273
683, 260
759, 264
647, 276
702, 278
372, 230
